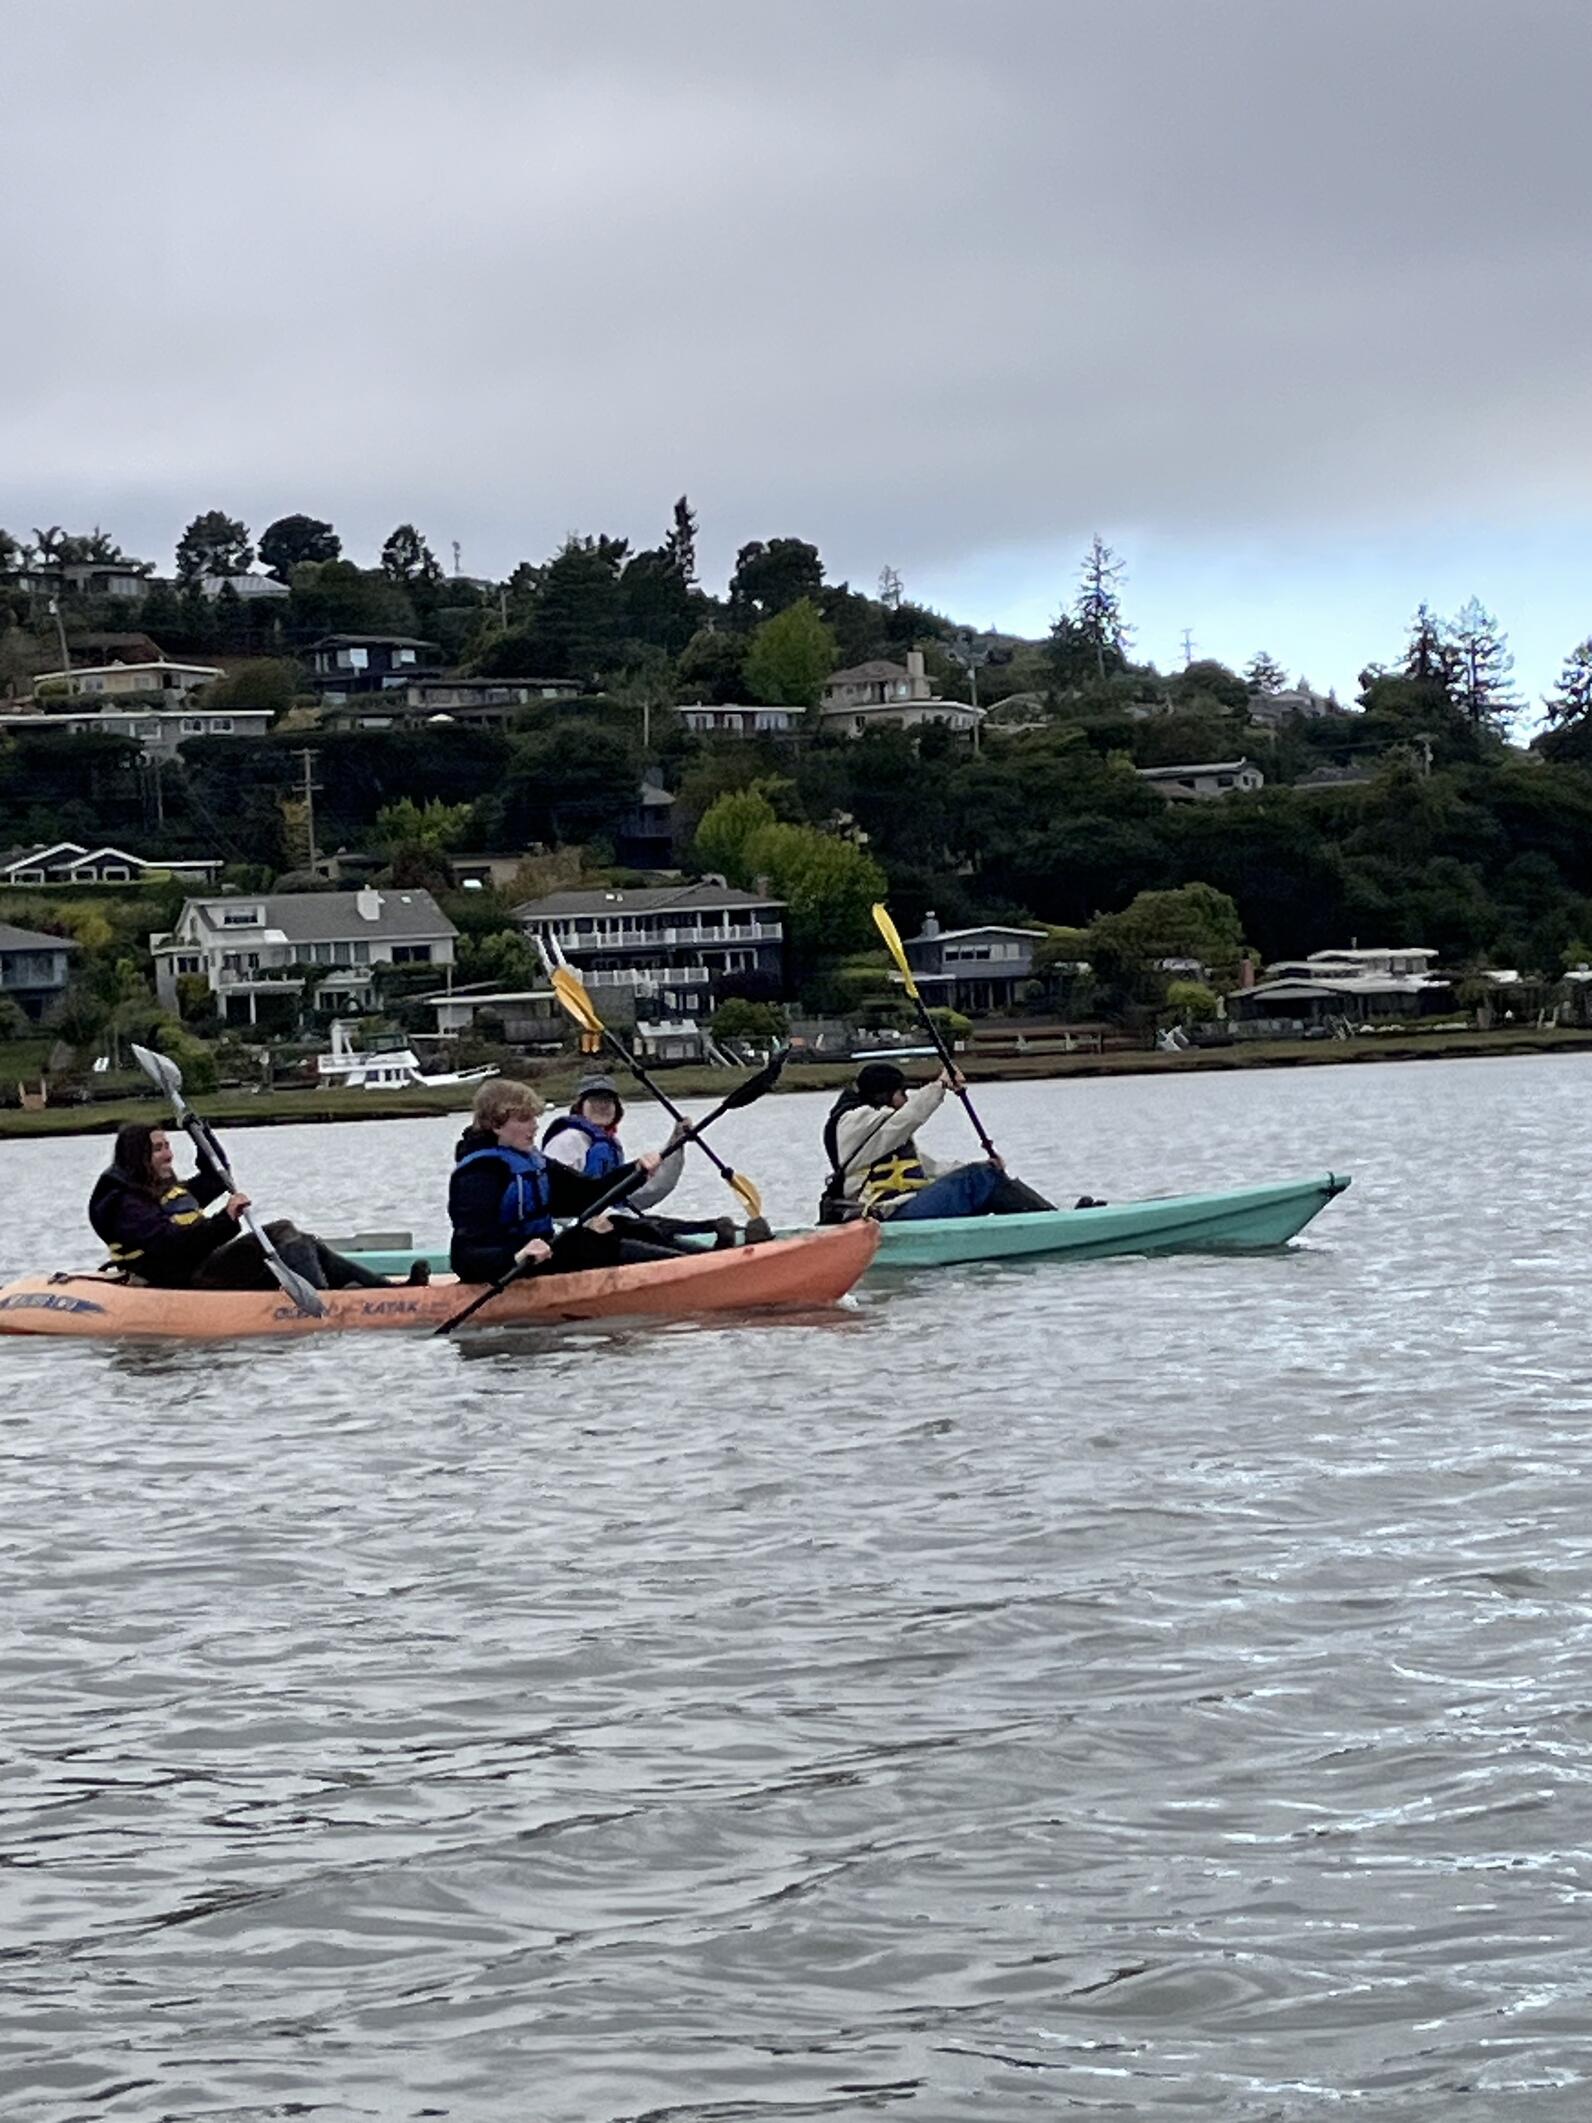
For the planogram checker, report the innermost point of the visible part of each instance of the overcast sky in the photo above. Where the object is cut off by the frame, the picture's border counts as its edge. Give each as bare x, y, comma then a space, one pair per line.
1288, 298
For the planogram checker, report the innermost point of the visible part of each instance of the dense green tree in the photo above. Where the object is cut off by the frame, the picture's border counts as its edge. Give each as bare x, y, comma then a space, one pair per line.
790, 657
1205, 680
578, 625
769, 577
828, 886
727, 829
273, 683
214, 544
661, 609
1429, 656
1070, 658
407, 558
713, 667
335, 597
291, 539
572, 785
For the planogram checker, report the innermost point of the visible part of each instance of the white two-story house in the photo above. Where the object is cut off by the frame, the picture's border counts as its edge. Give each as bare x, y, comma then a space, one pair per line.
245, 946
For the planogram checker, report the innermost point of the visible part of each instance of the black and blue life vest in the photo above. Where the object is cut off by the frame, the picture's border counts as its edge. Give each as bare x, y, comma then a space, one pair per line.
603, 1154
526, 1209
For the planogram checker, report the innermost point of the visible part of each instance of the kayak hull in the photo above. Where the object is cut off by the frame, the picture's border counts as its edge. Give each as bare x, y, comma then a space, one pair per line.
1239, 1220
812, 1270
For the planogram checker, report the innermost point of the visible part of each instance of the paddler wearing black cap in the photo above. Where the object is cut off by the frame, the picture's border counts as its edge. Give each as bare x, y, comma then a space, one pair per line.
876, 1166
586, 1138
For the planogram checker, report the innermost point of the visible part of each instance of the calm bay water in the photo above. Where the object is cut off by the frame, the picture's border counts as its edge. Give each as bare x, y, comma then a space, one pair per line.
1142, 1689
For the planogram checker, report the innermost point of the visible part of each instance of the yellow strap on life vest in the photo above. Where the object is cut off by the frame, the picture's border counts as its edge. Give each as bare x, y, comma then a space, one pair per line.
888, 1177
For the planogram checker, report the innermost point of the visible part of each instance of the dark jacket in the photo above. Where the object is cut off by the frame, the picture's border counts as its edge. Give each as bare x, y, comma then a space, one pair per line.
482, 1249
162, 1241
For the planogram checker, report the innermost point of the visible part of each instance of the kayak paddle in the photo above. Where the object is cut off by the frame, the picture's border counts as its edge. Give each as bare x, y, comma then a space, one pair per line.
892, 936
164, 1073
572, 992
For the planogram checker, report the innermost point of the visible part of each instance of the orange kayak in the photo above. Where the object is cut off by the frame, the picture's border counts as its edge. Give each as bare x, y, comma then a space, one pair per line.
816, 1268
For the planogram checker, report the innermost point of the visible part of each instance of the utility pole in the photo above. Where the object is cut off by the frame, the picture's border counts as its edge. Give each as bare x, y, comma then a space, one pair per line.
66, 654
1188, 647
456, 558
306, 759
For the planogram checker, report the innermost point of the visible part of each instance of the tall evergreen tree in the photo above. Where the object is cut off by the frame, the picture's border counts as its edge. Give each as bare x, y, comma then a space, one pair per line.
890, 589
1265, 674
769, 577
680, 545
1482, 665
1572, 703
1098, 606
1429, 654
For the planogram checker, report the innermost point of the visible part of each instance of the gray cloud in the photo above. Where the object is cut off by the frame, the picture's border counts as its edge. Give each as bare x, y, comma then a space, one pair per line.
912, 278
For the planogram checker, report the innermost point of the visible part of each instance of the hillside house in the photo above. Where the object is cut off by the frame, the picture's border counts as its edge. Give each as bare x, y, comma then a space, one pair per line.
1201, 784
340, 666
68, 862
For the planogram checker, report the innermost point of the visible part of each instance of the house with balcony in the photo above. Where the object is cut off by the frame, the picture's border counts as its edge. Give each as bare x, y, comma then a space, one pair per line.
475, 703
672, 952
973, 970
68, 862
245, 946
342, 666
732, 720
1201, 784
34, 968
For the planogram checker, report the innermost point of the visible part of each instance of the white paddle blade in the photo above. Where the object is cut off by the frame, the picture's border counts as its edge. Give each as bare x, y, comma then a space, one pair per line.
160, 1069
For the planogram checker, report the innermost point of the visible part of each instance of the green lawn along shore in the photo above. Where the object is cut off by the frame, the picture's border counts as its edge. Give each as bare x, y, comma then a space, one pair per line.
256, 1109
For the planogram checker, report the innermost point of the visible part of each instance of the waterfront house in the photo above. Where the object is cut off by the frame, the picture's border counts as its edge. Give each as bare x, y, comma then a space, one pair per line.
973, 970
245, 945
1199, 784
1341, 988
33, 968
674, 949
68, 862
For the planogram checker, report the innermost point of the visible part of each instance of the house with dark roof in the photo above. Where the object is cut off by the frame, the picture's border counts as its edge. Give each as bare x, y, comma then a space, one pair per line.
34, 968
343, 665
975, 970
275, 943
476, 703
672, 950
877, 682
68, 862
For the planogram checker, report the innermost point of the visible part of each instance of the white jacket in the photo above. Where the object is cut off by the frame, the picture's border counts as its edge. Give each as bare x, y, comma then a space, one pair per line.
865, 1134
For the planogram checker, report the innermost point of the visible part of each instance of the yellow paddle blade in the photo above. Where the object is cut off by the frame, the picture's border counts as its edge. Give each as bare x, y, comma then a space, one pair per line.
571, 992
742, 1187
893, 944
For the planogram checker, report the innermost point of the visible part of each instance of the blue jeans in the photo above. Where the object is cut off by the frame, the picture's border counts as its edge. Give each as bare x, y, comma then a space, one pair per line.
968, 1191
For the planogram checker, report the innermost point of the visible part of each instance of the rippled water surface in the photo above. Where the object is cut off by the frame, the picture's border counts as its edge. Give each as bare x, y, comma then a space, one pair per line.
1143, 1689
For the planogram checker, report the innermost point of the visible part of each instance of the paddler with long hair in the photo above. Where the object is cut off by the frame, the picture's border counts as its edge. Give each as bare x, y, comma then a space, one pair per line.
157, 1232
876, 1167
505, 1194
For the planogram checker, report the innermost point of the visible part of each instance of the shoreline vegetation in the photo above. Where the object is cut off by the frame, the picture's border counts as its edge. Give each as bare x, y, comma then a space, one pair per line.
248, 1109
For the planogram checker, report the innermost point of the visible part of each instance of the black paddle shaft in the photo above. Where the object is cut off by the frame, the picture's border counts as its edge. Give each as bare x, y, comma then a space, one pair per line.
650, 1084
934, 1033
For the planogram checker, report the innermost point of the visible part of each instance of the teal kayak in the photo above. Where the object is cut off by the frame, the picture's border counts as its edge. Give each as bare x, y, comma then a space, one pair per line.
1239, 1220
